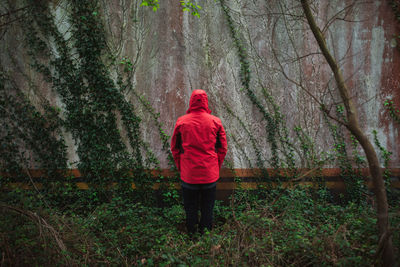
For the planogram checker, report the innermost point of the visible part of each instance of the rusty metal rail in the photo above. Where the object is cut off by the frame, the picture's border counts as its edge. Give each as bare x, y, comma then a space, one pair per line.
230, 179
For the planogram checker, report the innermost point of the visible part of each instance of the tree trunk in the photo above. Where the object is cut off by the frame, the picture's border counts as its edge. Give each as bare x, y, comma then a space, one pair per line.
352, 124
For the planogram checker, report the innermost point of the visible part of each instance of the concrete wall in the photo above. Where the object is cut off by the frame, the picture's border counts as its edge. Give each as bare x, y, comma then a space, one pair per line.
174, 52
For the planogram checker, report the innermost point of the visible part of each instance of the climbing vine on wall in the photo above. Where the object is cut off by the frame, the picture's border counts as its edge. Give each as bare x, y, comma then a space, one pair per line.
153, 162
387, 173
253, 141
25, 129
245, 76
75, 69
353, 179
385, 154
396, 10
275, 121
393, 111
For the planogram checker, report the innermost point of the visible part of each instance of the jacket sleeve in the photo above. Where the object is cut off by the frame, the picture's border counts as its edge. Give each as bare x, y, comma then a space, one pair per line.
221, 145
176, 147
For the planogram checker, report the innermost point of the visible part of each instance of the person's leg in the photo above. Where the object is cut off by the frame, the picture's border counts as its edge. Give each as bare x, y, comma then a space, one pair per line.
207, 200
191, 205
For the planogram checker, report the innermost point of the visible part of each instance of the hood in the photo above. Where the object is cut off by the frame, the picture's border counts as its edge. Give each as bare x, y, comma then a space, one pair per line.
198, 101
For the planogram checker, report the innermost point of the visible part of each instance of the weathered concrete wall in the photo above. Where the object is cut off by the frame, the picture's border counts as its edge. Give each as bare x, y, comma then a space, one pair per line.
174, 52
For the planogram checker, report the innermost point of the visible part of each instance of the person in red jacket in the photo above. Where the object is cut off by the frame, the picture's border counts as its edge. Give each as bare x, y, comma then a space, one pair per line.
198, 146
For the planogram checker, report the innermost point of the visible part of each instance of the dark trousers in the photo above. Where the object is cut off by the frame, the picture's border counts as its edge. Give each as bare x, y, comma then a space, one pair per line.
199, 197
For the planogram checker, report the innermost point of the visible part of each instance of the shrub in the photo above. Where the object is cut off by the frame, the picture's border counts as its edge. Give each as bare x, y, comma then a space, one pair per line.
296, 227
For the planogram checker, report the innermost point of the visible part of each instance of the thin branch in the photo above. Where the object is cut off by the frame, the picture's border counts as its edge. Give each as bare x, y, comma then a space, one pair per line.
41, 223
14, 11
286, 76
346, 9
305, 56
10, 21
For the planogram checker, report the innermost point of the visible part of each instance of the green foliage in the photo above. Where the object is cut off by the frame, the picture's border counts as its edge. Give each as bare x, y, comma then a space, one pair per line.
245, 76
352, 177
396, 11
167, 186
384, 152
91, 99
104, 225
128, 65
151, 3
189, 6
253, 141
393, 111
94, 110
288, 228
25, 129
396, 8
387, 174
307, 146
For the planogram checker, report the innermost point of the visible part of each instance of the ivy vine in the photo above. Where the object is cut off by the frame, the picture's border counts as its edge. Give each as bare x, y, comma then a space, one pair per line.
396, 10
75, 69
393, 111
353, 179
385, 154
26, 129
245, 77
253, 141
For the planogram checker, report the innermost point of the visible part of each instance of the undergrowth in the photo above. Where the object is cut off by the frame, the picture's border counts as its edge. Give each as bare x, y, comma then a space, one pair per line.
297, 227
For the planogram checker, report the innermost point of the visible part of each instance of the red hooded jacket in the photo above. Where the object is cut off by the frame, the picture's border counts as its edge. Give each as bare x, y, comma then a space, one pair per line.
198, 143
